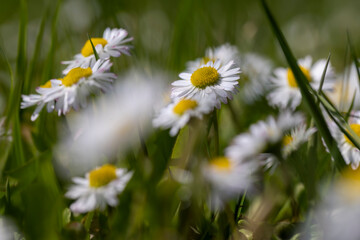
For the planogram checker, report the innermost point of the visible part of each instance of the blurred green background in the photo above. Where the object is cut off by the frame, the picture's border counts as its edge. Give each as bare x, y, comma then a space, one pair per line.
169, 33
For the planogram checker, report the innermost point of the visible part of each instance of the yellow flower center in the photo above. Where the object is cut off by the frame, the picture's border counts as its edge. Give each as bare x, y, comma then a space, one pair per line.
356, 128
221, 164
287, 140
291, 77
75, 75
102, 176
46, 85
204, 77
184, 105
87, 49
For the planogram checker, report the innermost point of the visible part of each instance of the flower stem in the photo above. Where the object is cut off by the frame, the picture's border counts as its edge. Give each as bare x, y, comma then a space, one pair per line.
216, 133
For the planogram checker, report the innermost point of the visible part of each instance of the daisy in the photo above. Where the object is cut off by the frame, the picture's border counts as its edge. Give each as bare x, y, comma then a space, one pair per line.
112, 44
349, 151
72, 90
99, 188
210, 79
224, 53
256, 74
228, 178
286, 93
262, 135
297, 136
177, 114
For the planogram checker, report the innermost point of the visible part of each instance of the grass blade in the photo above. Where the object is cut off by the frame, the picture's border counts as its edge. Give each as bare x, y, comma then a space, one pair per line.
38, 45
93, 47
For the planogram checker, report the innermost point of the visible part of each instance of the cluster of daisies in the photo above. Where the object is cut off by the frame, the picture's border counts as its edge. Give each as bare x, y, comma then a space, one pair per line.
88, 73
214, 79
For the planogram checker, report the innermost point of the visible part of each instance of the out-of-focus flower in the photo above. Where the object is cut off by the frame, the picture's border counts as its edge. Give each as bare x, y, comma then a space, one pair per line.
112, 44
98, 189
285, 91
7, 229
298, 135
349, 151
262, 135
228, 178
3, 133
345, 88
256, 71
209, 80
178, 113
337, 216
72, 90
113, 123
224, 53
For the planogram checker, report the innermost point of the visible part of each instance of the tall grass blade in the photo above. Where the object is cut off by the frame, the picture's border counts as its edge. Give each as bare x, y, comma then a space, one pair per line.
93, 47
37, 50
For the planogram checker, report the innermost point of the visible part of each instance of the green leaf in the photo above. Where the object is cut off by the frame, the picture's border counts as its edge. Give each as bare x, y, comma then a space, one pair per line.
304, 87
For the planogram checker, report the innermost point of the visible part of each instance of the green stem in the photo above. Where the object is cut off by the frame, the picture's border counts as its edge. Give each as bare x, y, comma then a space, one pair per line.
216, 133
239, 206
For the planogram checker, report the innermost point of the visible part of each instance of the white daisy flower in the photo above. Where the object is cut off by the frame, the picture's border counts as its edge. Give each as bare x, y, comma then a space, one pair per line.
177, 114
261, 135
286, 93
210, 79
224, 53
350, 153
72, 90
228, 178
112, 44
298, 135
256, 71
99, 188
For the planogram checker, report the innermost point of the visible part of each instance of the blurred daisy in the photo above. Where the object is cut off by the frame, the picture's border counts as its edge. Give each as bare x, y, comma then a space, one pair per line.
349, 151
262, 135
177, 114
4, 134
209, 80
345, 88
72, 90
228, 178
285, 91
256, 71
112, 44
99, 188
338, 214
8, 230
224, 53
297, 136
116, 118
